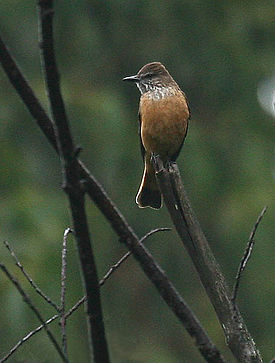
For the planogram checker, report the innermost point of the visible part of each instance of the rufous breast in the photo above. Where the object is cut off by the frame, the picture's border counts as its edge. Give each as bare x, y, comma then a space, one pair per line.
164, 120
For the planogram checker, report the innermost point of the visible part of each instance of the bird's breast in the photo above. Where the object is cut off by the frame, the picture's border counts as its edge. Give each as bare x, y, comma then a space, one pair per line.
164, 121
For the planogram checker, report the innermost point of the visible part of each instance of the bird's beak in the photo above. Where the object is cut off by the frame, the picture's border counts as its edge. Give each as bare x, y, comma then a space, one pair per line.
132, 78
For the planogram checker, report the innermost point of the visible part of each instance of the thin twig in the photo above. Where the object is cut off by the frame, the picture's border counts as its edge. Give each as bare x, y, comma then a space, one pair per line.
128, 254
112, 269
28, 301
63, 291
246, 255
29, 279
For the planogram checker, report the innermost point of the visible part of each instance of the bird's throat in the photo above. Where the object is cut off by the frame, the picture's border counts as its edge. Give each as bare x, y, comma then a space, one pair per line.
158, 92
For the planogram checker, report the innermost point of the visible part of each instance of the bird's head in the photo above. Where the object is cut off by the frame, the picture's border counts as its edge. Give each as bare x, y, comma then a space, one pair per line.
150, 77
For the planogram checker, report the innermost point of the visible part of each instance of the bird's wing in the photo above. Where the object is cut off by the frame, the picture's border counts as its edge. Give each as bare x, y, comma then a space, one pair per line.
141, 144
174, 157
186, 99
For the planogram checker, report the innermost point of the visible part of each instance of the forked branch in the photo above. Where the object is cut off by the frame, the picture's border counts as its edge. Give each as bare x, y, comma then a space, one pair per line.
110, 211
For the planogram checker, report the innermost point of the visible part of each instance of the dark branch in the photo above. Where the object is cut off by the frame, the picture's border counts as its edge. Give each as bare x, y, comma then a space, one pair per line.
246, 255
72, 186
28, 301
127, 235
239, 339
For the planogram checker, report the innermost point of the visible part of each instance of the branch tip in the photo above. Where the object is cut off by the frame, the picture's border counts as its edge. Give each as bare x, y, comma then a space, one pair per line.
246, 255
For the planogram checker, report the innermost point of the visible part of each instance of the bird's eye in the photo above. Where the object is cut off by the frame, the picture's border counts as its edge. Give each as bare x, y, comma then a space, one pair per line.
148, 75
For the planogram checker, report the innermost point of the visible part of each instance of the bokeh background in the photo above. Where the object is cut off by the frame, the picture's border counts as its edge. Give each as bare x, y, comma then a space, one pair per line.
221, 54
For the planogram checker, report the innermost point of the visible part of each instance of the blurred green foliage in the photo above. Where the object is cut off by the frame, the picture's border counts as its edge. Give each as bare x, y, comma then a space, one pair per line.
218, 52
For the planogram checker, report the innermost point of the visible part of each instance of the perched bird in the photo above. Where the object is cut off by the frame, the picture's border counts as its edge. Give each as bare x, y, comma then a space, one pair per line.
163, 117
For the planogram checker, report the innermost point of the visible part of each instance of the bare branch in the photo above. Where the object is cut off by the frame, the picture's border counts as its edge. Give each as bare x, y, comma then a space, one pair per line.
63, 291
246, 255
149, 266
117, 221
29, 279
239, 339
72, 186
209, 351
112, 269
128, 254
28, 301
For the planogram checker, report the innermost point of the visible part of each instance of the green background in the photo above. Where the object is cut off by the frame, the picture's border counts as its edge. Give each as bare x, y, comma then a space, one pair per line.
221, 54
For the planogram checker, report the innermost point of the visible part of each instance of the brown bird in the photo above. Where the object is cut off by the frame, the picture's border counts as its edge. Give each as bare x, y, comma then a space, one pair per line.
163, 116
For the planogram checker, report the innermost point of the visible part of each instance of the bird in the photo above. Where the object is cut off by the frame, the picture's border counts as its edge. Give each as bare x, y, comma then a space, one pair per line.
163, 122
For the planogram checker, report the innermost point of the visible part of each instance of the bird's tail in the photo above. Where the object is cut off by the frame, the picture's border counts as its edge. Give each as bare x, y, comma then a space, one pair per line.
149, 194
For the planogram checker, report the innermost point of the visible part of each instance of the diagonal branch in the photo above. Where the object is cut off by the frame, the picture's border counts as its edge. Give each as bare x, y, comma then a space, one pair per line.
247, 254
238, 338
72, 185
117, 221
